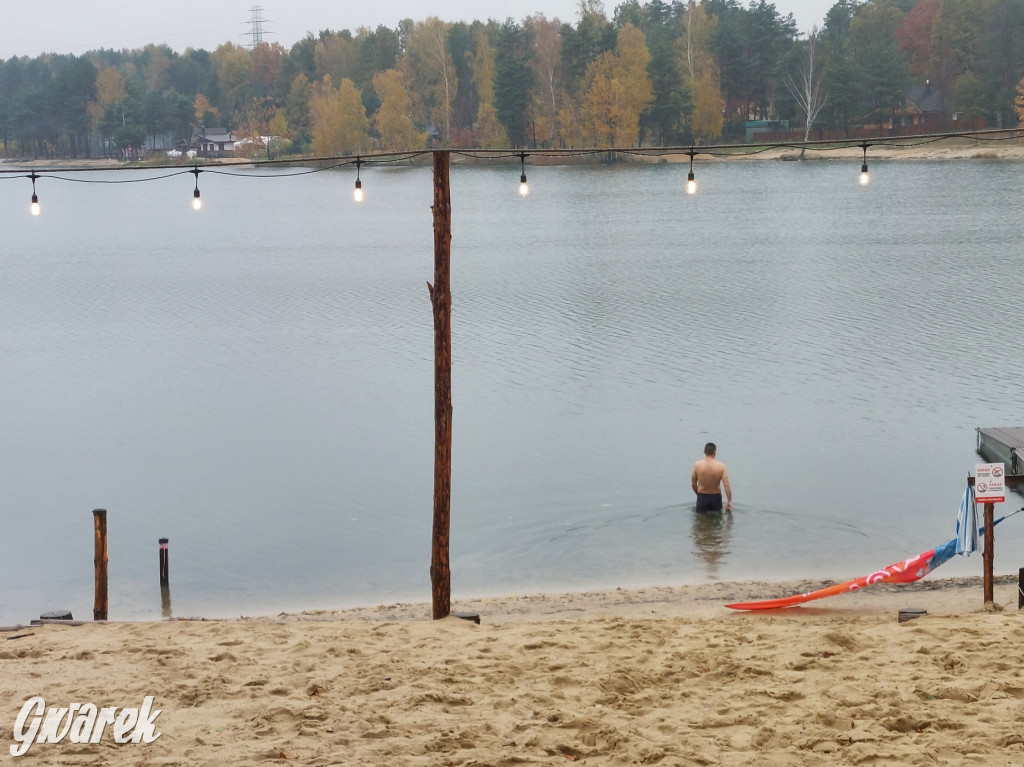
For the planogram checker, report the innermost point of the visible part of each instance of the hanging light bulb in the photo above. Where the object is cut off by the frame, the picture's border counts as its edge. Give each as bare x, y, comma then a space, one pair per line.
524, 188
691, 183
34, 207
197, 203
357, 195
864, 177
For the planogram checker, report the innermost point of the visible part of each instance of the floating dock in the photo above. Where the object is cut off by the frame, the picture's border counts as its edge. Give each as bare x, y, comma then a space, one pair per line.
1004, 444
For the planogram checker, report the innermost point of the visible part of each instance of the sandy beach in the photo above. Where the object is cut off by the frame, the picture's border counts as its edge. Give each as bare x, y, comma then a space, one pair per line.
663, 675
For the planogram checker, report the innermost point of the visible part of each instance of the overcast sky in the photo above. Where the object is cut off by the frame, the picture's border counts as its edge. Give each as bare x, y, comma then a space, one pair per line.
73, 26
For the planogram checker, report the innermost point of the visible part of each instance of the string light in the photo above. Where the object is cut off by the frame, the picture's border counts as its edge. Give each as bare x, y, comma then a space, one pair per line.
330, 163
865, 177
196, 202
34, 207
357, 195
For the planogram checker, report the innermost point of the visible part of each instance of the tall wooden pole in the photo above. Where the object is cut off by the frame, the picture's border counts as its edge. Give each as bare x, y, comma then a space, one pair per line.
988, 556
99, 608
441, 299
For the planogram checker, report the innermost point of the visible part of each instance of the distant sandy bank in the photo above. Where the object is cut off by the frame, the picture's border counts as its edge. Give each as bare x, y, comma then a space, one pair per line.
946, 149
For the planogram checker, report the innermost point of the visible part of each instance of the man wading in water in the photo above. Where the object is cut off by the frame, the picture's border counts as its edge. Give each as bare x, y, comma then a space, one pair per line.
707, 480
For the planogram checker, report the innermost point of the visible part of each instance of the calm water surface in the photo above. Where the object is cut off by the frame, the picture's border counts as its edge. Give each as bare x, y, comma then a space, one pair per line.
255, 381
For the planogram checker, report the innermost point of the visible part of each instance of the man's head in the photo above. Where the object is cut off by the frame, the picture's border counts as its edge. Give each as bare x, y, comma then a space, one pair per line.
710, 449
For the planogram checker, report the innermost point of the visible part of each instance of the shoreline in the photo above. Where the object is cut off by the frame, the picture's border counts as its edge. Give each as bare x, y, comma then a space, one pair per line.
939, 596
954, 595
958, 148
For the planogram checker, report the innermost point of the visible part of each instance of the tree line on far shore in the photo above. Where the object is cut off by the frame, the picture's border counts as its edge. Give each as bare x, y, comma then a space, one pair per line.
653, 74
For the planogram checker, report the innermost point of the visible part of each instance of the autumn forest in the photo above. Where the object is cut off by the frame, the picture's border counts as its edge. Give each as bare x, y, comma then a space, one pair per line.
647, 74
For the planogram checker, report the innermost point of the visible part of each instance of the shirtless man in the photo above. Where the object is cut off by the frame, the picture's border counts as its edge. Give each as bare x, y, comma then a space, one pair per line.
707, 480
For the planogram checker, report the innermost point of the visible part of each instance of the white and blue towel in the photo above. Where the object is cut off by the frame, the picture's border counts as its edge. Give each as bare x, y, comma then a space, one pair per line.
967, 524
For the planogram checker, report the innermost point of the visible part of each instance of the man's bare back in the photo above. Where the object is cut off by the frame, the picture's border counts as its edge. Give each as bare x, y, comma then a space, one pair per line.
710, 476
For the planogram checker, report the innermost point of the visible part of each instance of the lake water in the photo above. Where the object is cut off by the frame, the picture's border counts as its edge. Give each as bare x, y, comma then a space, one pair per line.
255, 381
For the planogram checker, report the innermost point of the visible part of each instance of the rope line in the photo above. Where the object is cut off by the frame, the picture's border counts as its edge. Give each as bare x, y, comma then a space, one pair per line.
694, 150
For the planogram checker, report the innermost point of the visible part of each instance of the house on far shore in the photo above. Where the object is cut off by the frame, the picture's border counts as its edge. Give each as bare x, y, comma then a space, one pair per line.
212, 142
925, 105
923, 110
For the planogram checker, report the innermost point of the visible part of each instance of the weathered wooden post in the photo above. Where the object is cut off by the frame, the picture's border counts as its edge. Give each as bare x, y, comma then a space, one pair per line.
441, 300
165, 578
99, 608
1020, 588
988, 556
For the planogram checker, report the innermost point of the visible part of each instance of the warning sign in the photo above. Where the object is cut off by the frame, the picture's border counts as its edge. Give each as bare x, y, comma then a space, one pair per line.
988, 482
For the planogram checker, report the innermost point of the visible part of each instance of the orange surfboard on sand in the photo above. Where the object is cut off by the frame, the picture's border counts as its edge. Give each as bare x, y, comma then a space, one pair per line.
906, 571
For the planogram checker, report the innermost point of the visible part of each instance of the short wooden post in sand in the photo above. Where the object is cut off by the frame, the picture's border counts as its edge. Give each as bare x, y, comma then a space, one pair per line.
165, 579
99, 608
165, 576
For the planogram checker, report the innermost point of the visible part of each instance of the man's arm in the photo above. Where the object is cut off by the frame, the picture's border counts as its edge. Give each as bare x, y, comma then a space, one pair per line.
693, 479
728, 489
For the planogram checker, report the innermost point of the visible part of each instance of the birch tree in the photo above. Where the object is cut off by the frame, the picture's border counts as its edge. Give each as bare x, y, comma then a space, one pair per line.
700, 71
807, 87
429, 69
547, 61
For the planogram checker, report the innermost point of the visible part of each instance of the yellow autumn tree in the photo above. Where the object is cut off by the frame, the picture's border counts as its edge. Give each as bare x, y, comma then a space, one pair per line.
394, 126
278, 124
234, 76
355, 125
570, 122
339, 122
618, 90
201, 106
631, 48
488, 130
109, 90
701, 74
707, 107
603, 104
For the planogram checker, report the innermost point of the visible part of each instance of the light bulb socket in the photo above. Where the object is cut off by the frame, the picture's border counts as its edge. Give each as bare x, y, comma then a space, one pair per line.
689, 176
195, 194
35, 198
522, 179
359, 184
864, 168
